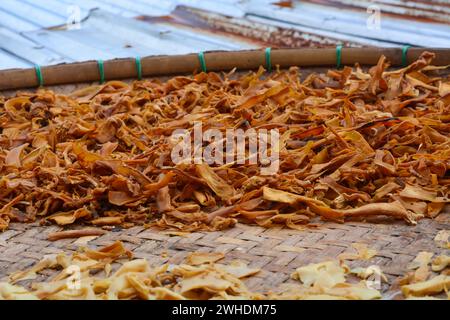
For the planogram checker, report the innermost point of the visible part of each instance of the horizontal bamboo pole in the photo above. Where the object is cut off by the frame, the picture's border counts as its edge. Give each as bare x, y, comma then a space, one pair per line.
215, 61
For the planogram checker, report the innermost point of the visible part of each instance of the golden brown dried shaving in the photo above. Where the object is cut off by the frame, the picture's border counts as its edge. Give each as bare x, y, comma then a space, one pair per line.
354, 144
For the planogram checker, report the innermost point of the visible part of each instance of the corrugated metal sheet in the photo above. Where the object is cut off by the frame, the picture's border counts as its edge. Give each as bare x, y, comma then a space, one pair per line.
437, 10
37, 32
354, 23
265, 30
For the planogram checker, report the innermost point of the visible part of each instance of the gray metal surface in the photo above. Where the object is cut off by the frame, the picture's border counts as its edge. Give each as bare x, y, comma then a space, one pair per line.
39, 31
437, 10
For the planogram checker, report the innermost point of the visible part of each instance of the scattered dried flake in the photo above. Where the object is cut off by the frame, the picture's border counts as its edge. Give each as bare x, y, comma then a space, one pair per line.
84, 240
238, 269
13, 292
444, 89
108, 253
107, 221
434, 208
216, 183
49, 261
201, 278
329, 279
440, 263
422, 258
354, 291
198, 258
363, 253
442, 239
416, 192
63, 218
135, 279
352, 144
421, 266
429, 287
322, 275
365, 273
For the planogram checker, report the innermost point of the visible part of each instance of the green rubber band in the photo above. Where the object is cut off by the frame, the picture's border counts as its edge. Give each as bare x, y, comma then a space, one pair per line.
101, 70
338, 56
201, 58
405, 55
268, 59
39, 76
138, 67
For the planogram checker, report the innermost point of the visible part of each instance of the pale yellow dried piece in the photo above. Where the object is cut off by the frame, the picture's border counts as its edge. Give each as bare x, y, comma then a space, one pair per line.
61, 291
138, 265
48, 261
198, 258
328, 279
432, 286
440, 263
84, 240
238, 269
422, 258
442, 239
13, 292
354, 291
49, 290
136, 279
420, 263
321, 275
363, 253
206, 281
365, 273
120, 289
162, 293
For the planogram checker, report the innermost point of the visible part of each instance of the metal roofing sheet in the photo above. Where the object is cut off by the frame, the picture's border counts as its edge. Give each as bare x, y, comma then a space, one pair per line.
355, 23
95, 40
31, 13
36, 32
437, 10
266, 31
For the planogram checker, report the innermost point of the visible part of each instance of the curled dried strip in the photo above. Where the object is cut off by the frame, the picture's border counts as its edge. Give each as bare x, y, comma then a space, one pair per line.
75, 234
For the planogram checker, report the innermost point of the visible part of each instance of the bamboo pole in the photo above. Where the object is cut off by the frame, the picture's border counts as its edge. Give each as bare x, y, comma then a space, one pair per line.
215, 61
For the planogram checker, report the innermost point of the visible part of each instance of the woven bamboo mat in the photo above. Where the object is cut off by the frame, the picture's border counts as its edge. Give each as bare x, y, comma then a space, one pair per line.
277, 251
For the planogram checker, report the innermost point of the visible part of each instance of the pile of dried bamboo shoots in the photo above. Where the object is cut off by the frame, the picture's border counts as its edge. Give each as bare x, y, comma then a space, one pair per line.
353, 144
